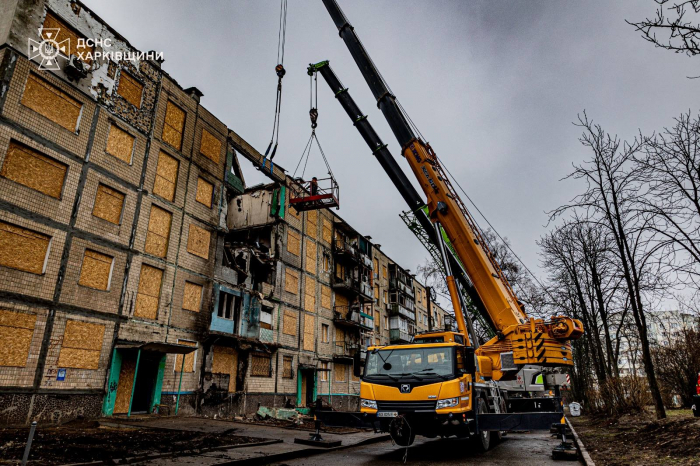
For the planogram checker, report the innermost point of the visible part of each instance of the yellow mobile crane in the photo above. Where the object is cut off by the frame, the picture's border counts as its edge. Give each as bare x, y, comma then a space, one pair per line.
442, 383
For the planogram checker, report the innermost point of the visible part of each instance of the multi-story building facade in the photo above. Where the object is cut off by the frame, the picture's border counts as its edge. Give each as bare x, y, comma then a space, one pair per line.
136, 274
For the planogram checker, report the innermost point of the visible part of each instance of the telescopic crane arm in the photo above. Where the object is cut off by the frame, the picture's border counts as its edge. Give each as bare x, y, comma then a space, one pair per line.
520, 339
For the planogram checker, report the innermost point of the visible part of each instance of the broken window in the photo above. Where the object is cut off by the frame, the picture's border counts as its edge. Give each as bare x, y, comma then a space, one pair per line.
158, 234
266, 317
34, 170
23, 249
174, 125
96, 271
16, 332
210, 146
288, 367
52, 103
82, 345
261, 365
120, 144
130, 88
228, 306
205, 192
324, 368
108, 204
166, 176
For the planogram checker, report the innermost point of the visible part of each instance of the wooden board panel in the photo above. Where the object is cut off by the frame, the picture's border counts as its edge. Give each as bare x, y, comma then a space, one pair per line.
17, 319
166, 176
79, 358
34, 170
192, 300
148, 295
293, 242
309, 294
325, 297
126, 382
82, 345
96, 270
23, 249
327, 231
339, 372
312, 224
310, 248
73, 47
130, 89
158, 234
120, 144
225, 361
205, 192
198, 241
287, 369
339, 335
291, 281
51, 102
189, 357
289, 323
309, 339
174, 125
260, 365
341, 300
210, 146
108, 204
16, 332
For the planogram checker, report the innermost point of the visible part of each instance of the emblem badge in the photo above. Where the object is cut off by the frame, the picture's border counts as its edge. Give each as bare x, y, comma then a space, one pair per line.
405, 388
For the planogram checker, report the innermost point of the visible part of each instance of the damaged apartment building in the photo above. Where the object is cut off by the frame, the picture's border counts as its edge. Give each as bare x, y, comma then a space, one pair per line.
137, 274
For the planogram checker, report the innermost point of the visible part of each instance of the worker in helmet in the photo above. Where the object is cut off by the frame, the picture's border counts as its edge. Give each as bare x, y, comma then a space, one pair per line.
314, 186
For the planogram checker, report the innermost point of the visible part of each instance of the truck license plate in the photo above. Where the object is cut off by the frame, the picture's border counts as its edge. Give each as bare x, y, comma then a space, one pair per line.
387, 414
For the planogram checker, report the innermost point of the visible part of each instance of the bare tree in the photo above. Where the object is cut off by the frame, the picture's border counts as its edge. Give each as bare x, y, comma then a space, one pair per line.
672, 28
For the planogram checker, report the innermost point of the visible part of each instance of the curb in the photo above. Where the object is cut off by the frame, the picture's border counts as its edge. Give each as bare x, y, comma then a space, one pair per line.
305, 453
579, 445
153, 456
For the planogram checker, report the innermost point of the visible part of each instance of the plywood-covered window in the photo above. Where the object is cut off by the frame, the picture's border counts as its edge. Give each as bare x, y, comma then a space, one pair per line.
148, 295
310, 256
288, 367
205, 192
82, 345
158, 233
34, 170
289, 323
65, 36
96, 271
49, 101
174, 125
120, 144
309, 338
166, 176
198, 241
189, 357
23, 249
324, 333
192, 300
291, 281
325, 297
323, 372
210, 146
261, 365
16, 331
340, 372
130, 88
327, 231
293, 242
108, 204
312, 224
225, 361
309, 294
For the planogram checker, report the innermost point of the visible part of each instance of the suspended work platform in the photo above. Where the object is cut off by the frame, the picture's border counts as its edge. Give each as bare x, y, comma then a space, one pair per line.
322, 194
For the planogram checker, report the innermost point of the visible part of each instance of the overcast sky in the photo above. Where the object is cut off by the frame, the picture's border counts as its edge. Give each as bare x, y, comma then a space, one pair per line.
493, 85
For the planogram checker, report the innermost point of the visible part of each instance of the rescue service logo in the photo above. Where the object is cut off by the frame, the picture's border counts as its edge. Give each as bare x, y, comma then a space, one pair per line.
48, 49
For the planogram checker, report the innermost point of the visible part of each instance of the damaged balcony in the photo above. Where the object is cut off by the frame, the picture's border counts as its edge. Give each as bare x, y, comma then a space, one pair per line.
401, 330
400, 304
352, 317
345, 350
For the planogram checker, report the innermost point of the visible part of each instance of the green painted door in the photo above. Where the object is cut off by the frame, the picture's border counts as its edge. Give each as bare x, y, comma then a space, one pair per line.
159, 383
112, 383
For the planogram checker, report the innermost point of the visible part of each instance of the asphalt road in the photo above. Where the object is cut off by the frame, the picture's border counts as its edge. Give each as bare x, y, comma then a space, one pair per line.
515, 449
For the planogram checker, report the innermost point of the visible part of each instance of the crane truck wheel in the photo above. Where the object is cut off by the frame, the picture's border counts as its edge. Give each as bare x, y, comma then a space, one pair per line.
482, 440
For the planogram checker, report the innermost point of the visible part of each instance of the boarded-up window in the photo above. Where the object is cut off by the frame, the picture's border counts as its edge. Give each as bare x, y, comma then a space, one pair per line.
261, 365
327, 231
55, 29
16, 331
198, 241
377, 320
384, 271
108, 204
289, 323
51, 102
23, 249
288, 367
210, 146
34, 170
174, 125
96, 271
323, 372
225, 361
324, 333
312, 224
291, 281
166, 176
158, 233
148, 295
82, 345
341, 301
310, 256
120, 144
130, 89
339, 335
205, 191
340, 371
293, 242
189, 357
309, 294
309, 338
192, 300
325, 297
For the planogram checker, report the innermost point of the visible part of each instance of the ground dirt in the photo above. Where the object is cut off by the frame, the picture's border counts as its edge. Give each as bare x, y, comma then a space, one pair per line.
305, 423
85, 441
641, 440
